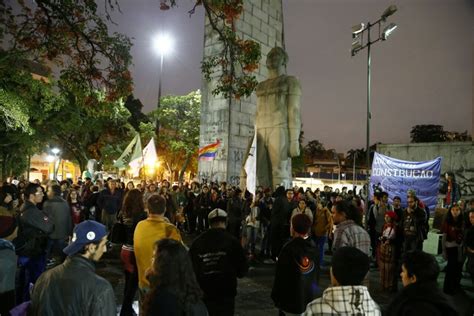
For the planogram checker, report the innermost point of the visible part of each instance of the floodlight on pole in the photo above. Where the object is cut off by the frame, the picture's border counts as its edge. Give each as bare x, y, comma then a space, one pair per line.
163, 45
357, 29
358, 45
389, 11
388, 30
55, 150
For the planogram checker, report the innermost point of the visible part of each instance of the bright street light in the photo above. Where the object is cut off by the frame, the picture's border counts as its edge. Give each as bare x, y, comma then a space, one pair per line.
163, 44
388, 30
55, 150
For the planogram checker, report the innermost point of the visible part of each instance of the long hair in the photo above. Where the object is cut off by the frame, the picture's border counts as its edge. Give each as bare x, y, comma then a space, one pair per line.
133, 203
458, 222
173, 271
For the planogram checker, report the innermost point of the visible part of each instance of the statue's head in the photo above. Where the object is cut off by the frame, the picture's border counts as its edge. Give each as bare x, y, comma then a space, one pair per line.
276, 58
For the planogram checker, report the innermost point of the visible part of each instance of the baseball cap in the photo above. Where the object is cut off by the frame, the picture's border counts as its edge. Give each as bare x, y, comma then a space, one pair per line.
217, 212
85, 233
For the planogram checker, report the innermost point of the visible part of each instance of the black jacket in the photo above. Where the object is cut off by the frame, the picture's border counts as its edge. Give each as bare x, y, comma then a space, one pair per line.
420, 299
73, 288
33, 231
297, 276
218, 260
60, 214
110, 202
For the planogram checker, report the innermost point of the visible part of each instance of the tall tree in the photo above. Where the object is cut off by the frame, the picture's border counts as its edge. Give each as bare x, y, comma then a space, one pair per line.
427, 133
179, 132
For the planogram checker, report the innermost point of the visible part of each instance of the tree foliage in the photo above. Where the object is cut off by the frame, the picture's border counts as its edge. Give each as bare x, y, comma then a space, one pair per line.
72, 37
179, 131
427, 133
239, 58
80, 109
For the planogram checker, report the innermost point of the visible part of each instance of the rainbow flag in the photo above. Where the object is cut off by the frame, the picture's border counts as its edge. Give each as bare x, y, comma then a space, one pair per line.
209, 152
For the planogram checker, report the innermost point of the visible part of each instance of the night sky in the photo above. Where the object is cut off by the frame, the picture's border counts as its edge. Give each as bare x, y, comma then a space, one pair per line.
421, 75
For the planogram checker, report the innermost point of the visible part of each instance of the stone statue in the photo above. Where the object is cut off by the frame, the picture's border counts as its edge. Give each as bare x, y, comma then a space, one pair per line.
278, 122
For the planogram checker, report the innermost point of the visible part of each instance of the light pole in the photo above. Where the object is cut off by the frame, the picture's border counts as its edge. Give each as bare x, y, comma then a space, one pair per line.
358, 44
56, 152
354, 169
162, 44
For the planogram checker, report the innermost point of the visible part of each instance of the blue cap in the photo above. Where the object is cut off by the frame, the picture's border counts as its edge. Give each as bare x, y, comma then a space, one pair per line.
85, 233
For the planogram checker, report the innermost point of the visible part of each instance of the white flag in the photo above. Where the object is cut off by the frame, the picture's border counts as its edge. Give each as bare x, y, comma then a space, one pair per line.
251, 165
149, 154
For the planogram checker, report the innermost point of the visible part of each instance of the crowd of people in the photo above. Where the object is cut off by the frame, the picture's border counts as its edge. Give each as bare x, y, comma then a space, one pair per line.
66, 226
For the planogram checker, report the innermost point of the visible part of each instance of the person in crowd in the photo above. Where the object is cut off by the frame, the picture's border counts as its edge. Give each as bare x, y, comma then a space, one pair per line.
296, 280
173, 287
59, 213
451, 189
252, 225
420, 294
76, 206
73, 288
151, 189
110, 201
130, 186
349, 231
203, 207
147, 232
190, 212
8, 260
86, 189
32, 240
266, 206
281, 213
386, 251
218, 260
64, 188
376, 219
347, 295
235, 208
132, 212
171, 206
453, 234
91, 206
302, 208
469, 243
413, 224
322, 227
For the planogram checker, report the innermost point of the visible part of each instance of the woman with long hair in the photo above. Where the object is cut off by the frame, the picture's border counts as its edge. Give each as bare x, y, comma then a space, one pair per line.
130, 186
76, 206
453, 234
133, 211
174, 289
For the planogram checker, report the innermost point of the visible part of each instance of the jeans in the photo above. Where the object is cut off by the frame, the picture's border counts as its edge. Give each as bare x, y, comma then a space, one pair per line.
30, 268
58, 245
320, 241
251, 238
265, 234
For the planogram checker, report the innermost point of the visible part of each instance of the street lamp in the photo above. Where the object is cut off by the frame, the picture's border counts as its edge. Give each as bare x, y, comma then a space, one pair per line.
56, 152
162, 44
358, 45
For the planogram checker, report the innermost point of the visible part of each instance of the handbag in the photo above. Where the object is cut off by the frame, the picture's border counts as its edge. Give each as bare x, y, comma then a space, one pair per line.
118, 235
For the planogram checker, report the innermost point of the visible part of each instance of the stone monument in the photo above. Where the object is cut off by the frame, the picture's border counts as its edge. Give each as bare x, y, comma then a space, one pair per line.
233, 121
278, 122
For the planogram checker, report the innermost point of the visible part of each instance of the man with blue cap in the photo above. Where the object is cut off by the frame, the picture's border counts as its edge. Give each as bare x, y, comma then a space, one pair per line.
73, 288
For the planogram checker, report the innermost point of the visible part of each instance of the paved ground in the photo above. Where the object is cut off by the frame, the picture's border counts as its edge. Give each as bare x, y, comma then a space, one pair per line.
254, 290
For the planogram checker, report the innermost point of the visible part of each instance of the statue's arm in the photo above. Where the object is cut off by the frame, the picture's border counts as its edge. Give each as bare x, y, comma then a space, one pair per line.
294, 116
